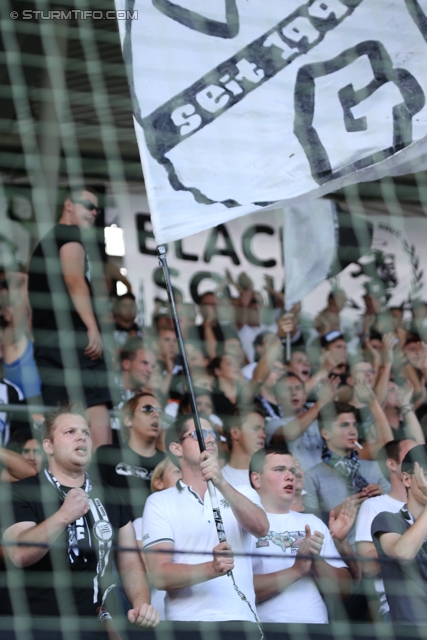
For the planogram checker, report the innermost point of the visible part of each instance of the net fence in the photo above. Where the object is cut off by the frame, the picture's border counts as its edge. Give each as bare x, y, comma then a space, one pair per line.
66, 119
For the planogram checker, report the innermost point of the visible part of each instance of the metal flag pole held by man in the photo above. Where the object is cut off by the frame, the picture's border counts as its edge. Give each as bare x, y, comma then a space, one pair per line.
161, 252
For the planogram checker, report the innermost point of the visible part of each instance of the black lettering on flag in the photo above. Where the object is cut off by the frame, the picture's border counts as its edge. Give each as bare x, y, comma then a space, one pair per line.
315, 144
198, 22
418, 16
231, 81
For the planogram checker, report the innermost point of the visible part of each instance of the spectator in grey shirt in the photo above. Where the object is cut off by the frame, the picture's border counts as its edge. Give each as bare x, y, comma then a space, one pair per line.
340, 474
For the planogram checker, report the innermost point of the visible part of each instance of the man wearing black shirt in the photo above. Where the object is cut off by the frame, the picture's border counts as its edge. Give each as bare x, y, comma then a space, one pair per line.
79, 523
67, 342
129, 468
125, 311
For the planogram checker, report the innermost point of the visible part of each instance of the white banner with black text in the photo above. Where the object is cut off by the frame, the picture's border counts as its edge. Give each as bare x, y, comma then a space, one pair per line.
245, 104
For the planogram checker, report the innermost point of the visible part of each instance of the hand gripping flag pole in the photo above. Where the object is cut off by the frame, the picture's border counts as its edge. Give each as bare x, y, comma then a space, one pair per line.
161, 252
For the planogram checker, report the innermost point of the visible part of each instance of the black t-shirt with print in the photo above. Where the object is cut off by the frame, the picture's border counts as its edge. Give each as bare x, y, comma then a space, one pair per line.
405, 583
272, 410
54, 586
128, 472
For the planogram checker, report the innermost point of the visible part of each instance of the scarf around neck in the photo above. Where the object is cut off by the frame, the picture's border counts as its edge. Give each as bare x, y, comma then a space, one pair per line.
101, 531
348, 467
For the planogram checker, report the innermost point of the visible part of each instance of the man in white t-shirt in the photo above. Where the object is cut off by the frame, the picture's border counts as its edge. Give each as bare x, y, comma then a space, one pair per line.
197, 585
390, 462
285, 581
245, 433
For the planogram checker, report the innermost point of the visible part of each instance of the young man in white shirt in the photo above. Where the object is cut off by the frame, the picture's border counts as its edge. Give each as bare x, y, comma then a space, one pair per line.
197, 586
245, 434
286, 585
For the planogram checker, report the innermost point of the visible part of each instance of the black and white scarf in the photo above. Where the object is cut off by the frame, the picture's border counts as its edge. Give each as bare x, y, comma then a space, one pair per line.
101, 530
268, 408
348, 467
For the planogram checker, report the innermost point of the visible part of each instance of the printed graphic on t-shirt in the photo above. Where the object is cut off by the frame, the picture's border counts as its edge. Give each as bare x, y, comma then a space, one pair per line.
288, 541
123, 469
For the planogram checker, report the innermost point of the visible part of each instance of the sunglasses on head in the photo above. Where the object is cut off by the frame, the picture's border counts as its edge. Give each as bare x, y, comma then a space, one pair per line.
205, 433
149, 408
88, 204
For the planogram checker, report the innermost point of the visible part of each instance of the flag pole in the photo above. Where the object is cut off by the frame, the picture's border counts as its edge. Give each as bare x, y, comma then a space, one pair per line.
288, 347
288, 335
161, 254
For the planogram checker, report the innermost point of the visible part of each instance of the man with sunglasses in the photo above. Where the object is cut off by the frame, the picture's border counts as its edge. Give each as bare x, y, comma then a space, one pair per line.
67, 342
179, 523
129, 467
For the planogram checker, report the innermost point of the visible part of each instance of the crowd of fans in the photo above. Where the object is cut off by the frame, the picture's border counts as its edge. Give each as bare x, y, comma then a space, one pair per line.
304, 445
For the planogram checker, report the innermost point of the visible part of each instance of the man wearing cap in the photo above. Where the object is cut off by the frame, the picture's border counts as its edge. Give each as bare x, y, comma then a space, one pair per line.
400, 540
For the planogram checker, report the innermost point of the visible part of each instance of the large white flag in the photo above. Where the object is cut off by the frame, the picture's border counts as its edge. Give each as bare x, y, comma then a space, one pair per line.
244, 104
